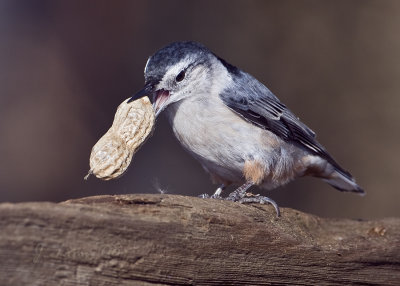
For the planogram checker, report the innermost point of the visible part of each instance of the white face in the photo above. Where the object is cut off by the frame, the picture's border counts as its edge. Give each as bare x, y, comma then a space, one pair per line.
184, 79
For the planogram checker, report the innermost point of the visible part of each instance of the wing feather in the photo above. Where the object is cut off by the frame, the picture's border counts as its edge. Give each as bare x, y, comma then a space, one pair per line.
257, 104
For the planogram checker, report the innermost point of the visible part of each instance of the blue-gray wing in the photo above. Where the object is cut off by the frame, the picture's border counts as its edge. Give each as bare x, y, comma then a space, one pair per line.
258, 105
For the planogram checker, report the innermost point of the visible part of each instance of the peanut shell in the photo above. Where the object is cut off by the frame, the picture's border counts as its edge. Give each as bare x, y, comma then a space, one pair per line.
112, 154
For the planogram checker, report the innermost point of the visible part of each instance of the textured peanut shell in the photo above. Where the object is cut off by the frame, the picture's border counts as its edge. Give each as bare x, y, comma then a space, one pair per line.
112, 154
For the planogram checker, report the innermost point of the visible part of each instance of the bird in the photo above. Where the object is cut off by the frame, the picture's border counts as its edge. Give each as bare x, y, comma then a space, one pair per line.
238, 130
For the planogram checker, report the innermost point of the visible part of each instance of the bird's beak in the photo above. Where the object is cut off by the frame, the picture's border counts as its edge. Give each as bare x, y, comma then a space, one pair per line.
160, 97
146, 91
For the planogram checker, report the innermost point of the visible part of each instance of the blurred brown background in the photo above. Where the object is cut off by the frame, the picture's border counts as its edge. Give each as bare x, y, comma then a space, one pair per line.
66, 65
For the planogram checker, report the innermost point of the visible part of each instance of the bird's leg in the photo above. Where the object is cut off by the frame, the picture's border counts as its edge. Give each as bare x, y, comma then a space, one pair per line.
217, 193
240, 195
240, 192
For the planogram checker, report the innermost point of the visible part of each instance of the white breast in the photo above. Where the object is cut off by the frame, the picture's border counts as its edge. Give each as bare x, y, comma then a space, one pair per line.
220, 139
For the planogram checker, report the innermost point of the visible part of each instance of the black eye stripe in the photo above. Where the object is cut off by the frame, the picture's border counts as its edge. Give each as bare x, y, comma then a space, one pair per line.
180, 76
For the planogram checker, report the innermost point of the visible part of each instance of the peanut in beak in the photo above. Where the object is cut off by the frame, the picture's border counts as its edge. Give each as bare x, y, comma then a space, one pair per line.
112, 154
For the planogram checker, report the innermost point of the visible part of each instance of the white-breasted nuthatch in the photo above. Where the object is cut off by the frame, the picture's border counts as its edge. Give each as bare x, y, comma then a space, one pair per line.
234, 125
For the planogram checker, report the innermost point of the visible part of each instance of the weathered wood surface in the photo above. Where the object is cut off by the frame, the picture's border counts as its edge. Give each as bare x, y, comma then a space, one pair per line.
177, 240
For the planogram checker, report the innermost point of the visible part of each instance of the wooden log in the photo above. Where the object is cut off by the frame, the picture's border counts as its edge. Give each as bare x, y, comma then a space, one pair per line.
178, 240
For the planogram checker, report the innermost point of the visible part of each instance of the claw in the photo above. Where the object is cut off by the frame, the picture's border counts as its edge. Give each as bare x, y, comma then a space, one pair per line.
207, 196
242, 196
204, 196
216, 196
261, 200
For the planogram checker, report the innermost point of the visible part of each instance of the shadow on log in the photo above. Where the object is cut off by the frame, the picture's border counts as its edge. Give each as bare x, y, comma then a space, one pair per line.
177, 240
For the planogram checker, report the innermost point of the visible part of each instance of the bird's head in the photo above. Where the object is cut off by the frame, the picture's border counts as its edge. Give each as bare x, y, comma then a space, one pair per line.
177, 71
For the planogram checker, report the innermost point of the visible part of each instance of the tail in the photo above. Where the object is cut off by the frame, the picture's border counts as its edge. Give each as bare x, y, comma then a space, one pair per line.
343, 182
332, 173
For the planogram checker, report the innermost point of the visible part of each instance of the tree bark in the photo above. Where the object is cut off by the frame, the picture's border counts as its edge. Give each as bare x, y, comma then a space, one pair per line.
177, 240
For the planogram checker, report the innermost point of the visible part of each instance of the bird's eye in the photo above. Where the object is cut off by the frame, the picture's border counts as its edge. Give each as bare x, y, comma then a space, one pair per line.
180, 76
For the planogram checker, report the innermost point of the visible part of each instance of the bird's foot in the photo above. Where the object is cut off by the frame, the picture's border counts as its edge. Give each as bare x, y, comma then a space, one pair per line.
251, 198
207, 196
216, 195
240, 195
